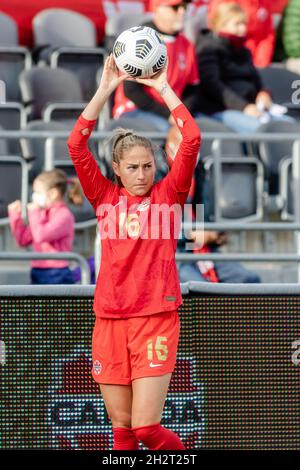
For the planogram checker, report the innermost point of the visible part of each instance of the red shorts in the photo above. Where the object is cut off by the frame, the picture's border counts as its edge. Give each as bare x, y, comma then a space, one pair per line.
131, 348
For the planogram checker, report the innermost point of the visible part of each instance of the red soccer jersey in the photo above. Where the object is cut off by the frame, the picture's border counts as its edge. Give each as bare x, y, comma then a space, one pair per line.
138, 274
182, 71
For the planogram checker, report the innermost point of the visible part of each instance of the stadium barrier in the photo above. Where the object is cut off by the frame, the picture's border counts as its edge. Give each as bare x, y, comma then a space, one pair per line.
84, 267
236, 384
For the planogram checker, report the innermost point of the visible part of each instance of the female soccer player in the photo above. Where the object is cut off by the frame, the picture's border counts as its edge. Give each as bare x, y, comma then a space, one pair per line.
137, 293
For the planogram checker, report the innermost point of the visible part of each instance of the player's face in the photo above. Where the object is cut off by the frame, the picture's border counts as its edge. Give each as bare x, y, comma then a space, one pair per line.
136, 170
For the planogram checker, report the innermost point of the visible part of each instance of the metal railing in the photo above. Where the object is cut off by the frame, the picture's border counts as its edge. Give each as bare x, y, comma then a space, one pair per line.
16, 256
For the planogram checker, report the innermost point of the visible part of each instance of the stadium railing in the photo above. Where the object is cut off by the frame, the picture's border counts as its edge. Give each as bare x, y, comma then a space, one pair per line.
16, 256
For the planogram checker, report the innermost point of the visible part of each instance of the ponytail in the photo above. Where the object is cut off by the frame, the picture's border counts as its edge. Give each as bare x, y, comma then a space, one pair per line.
74, 193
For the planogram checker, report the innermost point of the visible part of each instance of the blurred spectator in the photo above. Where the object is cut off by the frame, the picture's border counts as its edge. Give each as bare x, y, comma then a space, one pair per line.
206, 241
261, 35
135, 100
50, 226
291, 29
230, 88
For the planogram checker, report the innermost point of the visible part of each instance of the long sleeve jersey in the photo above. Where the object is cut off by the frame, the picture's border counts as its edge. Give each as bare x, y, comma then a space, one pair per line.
138, 274
48, 231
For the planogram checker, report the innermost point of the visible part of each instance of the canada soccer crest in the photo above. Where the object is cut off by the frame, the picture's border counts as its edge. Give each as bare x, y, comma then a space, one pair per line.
77, 417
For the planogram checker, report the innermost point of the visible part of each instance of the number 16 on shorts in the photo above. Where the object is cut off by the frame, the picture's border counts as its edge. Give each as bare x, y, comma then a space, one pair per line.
159, 347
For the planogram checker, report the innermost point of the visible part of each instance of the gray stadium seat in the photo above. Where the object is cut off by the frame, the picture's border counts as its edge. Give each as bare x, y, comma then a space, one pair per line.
74, 29
12, 117
13, 183
272, 153
13, 60
118, 22
241, 191
34, 149
41, 86
208, 147
3, 145
74, 48
84, 62
8, 31
278, 80
194, 23
287, 188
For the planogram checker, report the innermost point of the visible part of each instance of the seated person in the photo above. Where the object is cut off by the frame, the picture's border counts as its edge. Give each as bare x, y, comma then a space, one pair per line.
207, 241
230, 89
261, 34
138, 101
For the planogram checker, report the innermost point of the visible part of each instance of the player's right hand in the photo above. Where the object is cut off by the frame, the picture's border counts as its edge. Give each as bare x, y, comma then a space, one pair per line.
111, 75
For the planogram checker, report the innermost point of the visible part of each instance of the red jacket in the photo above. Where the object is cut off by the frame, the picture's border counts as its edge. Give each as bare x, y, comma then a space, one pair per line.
261, 34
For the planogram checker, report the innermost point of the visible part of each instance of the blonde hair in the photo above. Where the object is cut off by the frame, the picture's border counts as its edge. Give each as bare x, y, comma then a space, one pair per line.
58, 179
123, 140
224, 12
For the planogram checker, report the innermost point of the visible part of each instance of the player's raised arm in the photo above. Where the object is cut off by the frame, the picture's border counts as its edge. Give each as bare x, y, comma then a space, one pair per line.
94, 184
184, 163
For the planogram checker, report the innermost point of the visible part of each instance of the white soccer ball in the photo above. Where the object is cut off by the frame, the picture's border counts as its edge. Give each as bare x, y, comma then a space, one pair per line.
140, 52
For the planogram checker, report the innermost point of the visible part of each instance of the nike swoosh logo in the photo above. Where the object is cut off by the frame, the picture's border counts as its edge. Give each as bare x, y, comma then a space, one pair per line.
155, 365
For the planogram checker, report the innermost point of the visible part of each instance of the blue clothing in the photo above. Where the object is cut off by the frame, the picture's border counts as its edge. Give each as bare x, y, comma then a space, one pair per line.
51, 276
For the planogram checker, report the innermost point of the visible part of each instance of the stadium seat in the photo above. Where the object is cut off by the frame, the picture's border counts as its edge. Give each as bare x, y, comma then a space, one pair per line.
34, 149
41, 86
208, 146
74, 49
85, 63
240, 191
12, 117
194, 23
13, 60
8, 31
118, 22
286, 188
75, 30
13, 184
271, 153
279, 81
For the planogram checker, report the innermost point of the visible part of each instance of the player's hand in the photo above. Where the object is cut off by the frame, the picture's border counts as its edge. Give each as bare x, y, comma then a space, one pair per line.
157, 81
15, 206
111, 76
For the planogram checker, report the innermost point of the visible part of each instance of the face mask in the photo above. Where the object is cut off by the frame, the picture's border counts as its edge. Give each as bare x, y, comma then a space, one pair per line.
236, 41
39, 199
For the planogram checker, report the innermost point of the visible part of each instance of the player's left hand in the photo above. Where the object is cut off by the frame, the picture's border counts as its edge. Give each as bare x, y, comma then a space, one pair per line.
157, 81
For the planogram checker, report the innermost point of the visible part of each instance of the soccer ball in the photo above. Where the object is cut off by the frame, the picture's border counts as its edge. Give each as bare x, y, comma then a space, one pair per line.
140, 52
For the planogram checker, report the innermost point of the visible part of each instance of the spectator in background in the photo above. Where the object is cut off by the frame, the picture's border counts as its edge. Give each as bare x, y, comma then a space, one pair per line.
137, 101
50, 226
291, 31
230, 89
260, 35
205, 241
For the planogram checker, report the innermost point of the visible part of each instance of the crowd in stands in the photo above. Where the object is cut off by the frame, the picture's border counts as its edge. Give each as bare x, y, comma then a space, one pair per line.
217, 75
